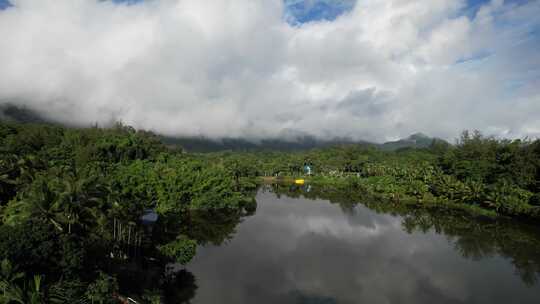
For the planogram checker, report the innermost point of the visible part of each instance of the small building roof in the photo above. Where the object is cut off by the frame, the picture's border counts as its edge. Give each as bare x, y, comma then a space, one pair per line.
149, 217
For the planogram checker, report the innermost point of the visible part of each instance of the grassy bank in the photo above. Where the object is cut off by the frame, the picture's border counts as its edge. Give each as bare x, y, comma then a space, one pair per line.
357, 188
499, 176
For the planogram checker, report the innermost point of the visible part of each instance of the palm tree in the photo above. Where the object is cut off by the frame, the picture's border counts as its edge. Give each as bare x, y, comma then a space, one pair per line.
8, 180
15, 289
34, 291
80, 199
42, 201
9, 290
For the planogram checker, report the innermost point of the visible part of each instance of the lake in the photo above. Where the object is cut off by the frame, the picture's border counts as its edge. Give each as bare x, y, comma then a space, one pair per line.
296, 249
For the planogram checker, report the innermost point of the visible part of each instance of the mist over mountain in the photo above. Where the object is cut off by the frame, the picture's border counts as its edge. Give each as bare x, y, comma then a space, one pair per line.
416, 140
201, 144
290, 140
12, 113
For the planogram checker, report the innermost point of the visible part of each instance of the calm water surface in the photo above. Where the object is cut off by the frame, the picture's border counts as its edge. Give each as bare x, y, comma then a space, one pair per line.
299, 250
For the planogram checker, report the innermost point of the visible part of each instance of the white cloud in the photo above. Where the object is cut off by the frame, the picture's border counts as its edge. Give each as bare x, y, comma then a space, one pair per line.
237, 68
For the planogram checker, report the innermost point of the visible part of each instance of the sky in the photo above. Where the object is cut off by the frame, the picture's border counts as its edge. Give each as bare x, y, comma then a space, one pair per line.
364, 69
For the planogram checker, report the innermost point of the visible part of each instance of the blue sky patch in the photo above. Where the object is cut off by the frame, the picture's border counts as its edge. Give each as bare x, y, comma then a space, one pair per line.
4, 4
303, 11
475, 57
474, 5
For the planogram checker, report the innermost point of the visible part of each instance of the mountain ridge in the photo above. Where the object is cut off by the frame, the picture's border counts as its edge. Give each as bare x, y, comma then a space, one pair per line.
298, 142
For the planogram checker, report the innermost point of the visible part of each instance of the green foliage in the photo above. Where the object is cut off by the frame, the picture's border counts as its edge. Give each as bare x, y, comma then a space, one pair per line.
488, 160
152, 296
103, 290
182, 250
9, 278
482, 172
62, 191
417, 189
32, 245
15, 288
506, 197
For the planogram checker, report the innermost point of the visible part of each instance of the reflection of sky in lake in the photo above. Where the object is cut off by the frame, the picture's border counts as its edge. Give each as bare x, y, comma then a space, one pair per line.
310, 251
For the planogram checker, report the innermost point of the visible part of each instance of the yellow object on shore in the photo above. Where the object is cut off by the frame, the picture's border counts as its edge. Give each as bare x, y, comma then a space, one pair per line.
299, 181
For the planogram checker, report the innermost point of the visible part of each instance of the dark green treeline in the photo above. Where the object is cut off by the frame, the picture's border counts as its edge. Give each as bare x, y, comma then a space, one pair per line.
72, 201
479, 173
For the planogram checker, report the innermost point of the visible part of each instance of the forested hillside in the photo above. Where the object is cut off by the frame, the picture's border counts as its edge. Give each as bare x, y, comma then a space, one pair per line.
71, 204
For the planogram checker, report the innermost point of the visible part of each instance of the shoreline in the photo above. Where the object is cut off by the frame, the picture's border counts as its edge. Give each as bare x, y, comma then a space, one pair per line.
427, 202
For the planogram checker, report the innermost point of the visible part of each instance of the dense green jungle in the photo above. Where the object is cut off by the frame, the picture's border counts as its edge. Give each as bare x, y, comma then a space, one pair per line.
82, 208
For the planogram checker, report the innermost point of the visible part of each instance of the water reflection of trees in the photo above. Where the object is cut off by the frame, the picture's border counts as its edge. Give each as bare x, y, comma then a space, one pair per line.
151, 277
212, 227
156, 284
477, 238
473, 237
181, 288
336, 194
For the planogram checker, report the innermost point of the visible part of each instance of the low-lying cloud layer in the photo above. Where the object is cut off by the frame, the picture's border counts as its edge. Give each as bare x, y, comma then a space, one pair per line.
237, 68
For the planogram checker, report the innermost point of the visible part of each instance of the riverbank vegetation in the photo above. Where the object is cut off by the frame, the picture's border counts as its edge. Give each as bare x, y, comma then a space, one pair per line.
71, 202
484, 174
78, 206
